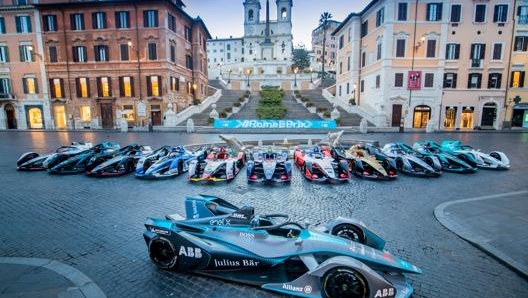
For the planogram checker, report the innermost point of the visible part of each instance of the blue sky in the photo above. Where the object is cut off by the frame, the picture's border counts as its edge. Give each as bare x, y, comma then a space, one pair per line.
225, 18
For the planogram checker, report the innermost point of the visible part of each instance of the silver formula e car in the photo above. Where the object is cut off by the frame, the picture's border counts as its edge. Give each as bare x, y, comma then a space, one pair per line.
411, 162
33, 161
269, 165
276, 253
116, 163
496, 160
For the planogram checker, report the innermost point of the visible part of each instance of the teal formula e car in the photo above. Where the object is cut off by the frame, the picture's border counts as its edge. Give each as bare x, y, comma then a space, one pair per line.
274, 252
449, 162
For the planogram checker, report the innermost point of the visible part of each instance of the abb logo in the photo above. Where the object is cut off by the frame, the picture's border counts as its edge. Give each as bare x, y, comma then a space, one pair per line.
384, 293
190, 252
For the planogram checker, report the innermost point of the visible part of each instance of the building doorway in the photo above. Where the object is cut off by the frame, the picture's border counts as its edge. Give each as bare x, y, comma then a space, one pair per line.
59, 113
10, 115
396, 115
34, 117
466, 119
489, 114
450, 117
107, 116
422, 114
155, 115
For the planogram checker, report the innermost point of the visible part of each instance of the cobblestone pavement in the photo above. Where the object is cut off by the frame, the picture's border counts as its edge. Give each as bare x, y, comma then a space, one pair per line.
96, 225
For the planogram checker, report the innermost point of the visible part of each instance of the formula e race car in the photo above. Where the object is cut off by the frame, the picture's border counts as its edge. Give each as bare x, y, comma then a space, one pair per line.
365, 164
494, 160
220, 164
77, 164
319, 164
116, 163
269, 165
32, 161
165, 162
410, 163
274, 252
449, 162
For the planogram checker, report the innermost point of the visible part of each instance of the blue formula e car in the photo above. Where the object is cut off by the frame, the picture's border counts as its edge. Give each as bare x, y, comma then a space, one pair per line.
165, 162
274, 252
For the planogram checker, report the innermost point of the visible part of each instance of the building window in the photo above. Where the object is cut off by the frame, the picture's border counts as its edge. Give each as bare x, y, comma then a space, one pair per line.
378, 51
153, 86
2, 25
500, 13
400, 48
173, 53
171, 20
30, 85
362, 86
188, 33
522, 15
104, 87
477, 54
348, 63
521, 43
429, 80
57, 88
5, 87
494, 80
101, 53
77, 21
23, 24
456, 11
188, 61
363, 58
26, 53
480, 13
53, 57
380, 17
341, 41
250, 15
517, 79
434, 11
150, 18
398, 80
452, 51
83, 87
431, 48
474, 80
126, 86
122, 19
364, 29
378, 81
86, 113
450, 80
49, 22
124, 52
128, 113
402, 11
152, 51
175, 84
497, 51
99, 20
4, 54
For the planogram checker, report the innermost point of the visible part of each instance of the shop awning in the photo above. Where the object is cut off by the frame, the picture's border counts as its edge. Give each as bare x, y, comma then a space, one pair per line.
522, 106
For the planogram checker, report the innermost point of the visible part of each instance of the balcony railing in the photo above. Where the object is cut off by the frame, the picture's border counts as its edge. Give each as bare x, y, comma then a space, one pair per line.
522, 20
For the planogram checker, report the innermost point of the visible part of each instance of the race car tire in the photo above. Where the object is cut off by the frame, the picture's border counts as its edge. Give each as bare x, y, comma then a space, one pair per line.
350, 232
129, 166
399, 164
344, 282
146, 164
162, 253
180, 167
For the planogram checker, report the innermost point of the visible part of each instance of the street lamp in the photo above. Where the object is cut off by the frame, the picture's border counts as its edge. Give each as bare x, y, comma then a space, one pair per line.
194, 93
248, 72
295, 76
311, 74
229, 76
220, 66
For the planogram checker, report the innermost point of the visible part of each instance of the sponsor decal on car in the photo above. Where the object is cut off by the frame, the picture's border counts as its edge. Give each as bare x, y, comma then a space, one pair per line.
160, 231
384, 293
306, 289
190, 252
195, 210
220, 222
247, 235
235, 263
238, 215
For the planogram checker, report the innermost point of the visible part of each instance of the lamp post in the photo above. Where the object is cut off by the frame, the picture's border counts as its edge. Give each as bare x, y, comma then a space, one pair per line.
311, 74
353, 98
295, 70
248, 72
194, 93
220, 66
229, 76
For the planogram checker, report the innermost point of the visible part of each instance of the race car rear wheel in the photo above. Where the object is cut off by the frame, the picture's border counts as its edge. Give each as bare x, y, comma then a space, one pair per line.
350, 232
162, 253
344, 282
180, 167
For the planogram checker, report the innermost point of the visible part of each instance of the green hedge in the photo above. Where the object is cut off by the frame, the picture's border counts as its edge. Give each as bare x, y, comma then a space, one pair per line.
270, 104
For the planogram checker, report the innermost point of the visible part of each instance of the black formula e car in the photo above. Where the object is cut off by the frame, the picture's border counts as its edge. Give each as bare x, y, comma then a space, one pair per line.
77, 164
33, 161
274, 252
116, 163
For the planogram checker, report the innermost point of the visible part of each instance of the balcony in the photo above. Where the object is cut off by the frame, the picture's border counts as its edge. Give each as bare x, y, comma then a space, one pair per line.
7, 96
522, 20
476, 63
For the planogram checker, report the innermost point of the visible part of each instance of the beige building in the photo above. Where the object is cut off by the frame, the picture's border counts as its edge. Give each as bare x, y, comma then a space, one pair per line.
318, 35
440, 64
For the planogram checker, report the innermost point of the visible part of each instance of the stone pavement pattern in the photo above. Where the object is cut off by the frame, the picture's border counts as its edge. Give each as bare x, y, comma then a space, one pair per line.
96, 225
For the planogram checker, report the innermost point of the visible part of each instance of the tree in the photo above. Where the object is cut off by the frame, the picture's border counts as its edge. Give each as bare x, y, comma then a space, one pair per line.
323, 22
300, 58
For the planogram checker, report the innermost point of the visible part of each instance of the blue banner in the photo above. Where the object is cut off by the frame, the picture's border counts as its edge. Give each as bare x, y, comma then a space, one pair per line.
275, 124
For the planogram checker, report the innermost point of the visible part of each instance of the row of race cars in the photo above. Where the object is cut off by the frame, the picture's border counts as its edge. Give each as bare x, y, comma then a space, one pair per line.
327, 161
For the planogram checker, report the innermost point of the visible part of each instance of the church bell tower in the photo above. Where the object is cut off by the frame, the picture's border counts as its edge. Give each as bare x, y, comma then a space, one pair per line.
251, 17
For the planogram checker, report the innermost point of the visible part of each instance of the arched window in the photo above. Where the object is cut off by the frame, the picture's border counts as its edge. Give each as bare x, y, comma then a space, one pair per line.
284, 13
250, 15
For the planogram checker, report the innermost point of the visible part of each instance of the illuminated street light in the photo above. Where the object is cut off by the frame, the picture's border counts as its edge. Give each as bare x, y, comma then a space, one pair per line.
295, 76
248, 72
229, 76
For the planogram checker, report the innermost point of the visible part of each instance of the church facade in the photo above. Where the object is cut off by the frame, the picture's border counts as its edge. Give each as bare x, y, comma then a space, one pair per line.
265, 48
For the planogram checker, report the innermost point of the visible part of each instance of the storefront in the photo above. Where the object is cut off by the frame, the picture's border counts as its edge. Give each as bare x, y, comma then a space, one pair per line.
520, 115
421, 116
34, 116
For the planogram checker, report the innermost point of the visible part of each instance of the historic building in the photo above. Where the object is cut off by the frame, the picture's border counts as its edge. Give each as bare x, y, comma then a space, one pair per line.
99, 62
266, 46
318, 34
442, 64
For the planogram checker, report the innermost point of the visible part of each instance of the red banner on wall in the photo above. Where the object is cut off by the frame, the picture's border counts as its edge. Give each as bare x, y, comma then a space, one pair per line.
415, 79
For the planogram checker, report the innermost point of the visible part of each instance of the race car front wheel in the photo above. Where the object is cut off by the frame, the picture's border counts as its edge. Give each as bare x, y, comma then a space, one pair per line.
162, 253
350, 232
344, 282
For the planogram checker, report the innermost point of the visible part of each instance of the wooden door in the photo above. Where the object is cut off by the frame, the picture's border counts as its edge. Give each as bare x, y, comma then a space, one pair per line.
396, 115
107, 116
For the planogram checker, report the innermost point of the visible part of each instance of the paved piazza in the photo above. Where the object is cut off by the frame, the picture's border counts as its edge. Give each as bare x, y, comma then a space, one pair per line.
96, 225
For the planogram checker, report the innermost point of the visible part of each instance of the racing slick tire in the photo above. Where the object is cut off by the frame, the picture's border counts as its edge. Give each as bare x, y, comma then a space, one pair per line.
163, 253
180, 167
129, 166
350, 232
399, 164
344, 282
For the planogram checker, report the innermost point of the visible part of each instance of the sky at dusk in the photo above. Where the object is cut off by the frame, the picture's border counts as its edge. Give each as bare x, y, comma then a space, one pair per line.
225, 18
